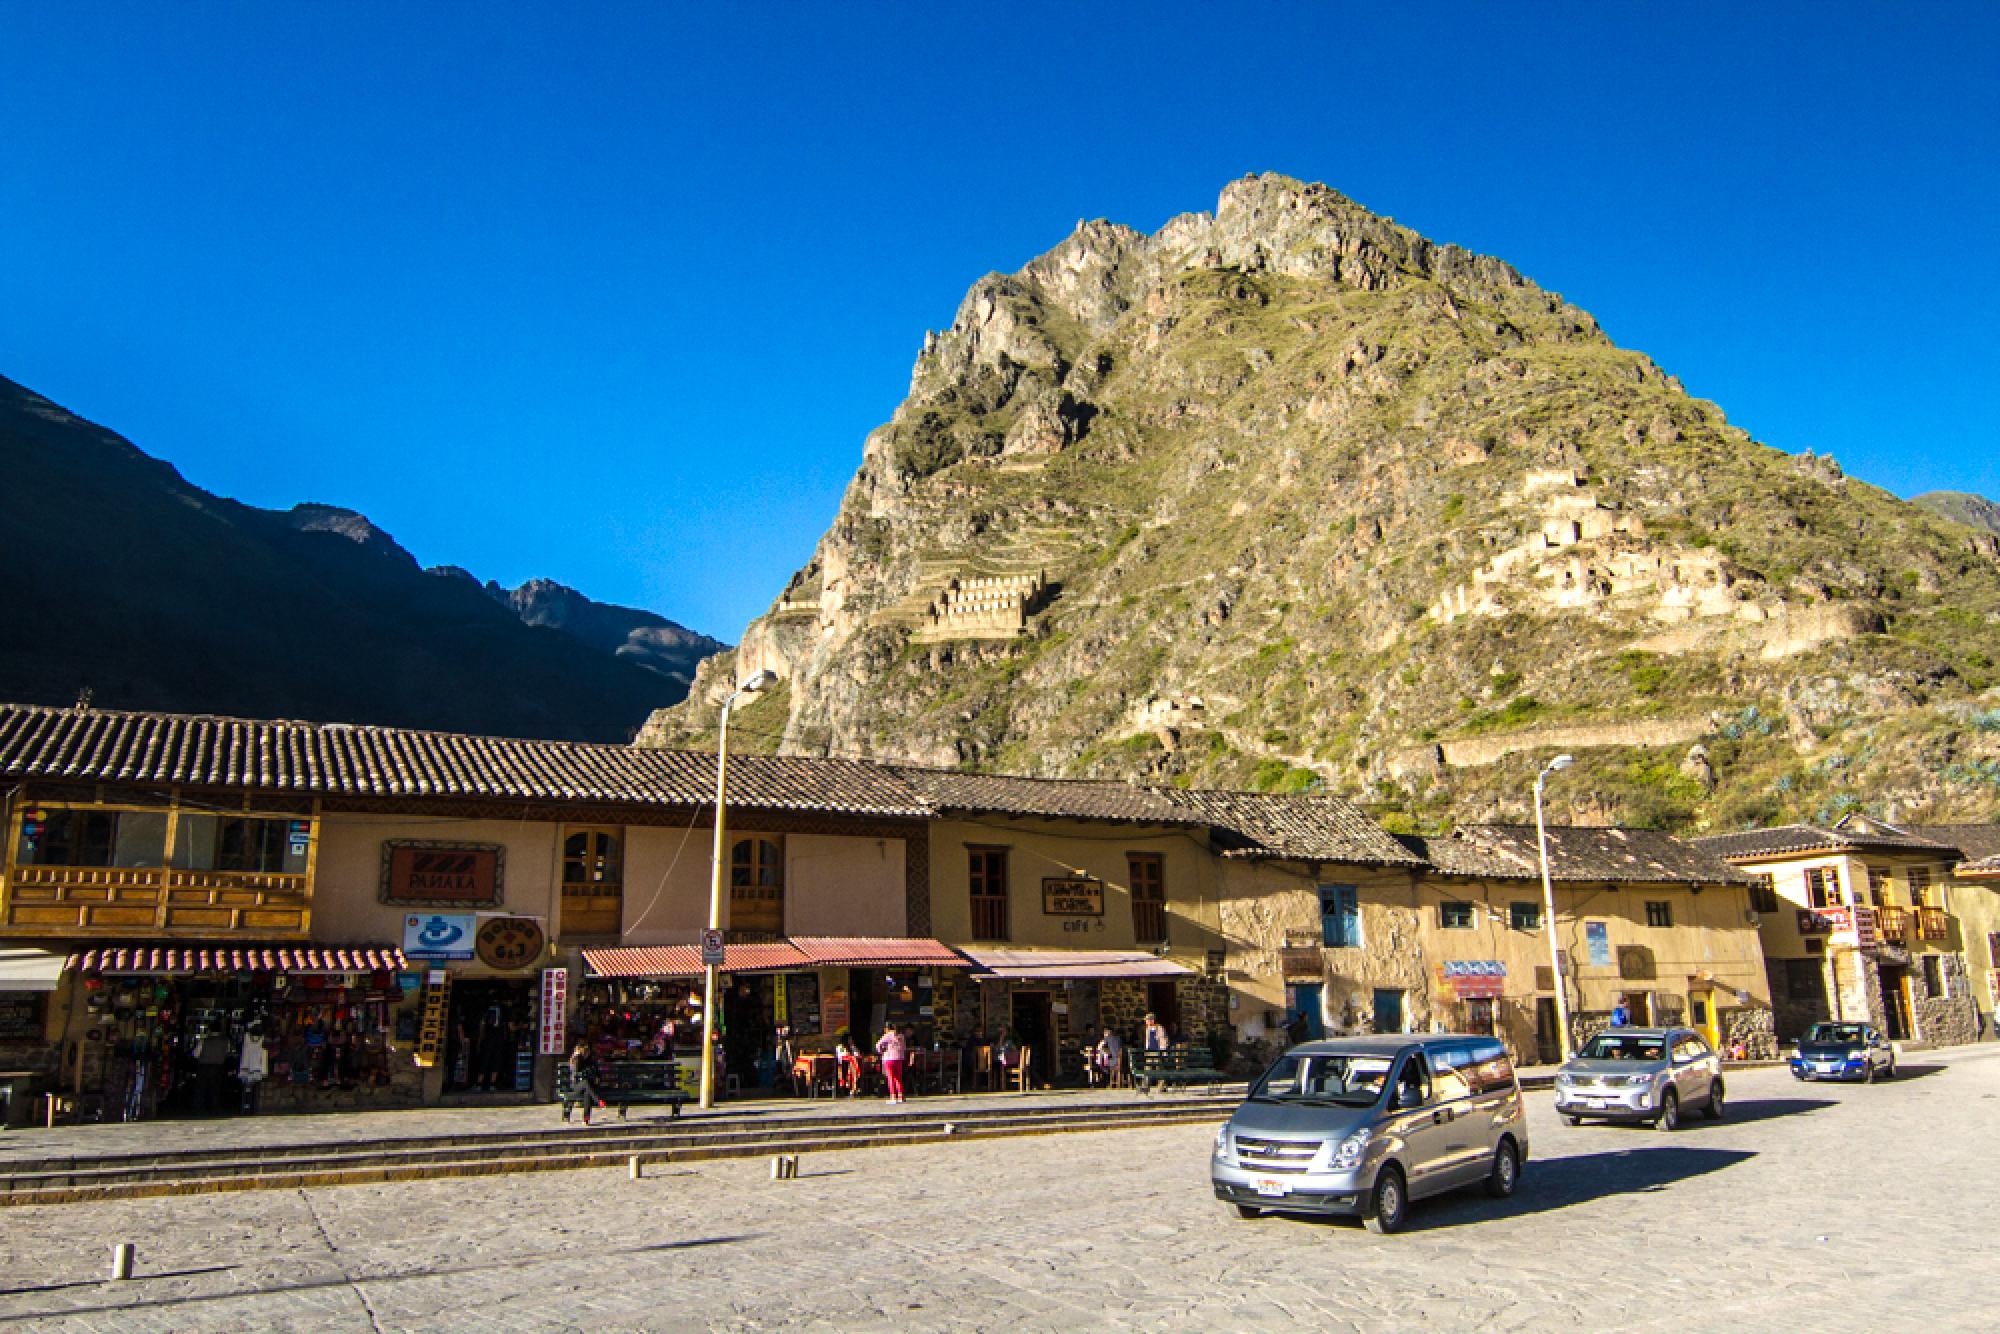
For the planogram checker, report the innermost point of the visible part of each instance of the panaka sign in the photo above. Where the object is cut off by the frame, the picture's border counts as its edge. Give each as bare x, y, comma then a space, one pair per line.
1066, 897
505, 943
441, 874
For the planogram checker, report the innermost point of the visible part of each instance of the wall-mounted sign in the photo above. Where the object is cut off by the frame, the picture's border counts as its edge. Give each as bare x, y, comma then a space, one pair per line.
1820, 921
438, 935
1065, 897
1300, 961
1467, 978
1597, 943
21, 1014
445, 875
555, 1011
430, 1028
509, 942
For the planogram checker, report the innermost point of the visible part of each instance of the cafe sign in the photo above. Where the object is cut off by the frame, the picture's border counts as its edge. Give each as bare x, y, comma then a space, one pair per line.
442, 875
1063, 897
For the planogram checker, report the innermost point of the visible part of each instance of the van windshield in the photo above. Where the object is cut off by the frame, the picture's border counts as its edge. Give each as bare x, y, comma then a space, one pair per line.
1348, 1080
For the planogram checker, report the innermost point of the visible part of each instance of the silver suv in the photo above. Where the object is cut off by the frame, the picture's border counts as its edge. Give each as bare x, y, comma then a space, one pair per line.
1362, 1126
1641, 1074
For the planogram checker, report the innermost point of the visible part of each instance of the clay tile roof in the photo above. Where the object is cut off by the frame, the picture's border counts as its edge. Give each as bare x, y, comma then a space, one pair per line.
348, 760
240, 959
1578, 853
1296, 828
1979, 842
1056, 798
1985, 868
1754, 844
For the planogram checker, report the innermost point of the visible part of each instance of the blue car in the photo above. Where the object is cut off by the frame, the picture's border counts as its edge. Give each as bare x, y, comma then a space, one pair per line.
1844, 1051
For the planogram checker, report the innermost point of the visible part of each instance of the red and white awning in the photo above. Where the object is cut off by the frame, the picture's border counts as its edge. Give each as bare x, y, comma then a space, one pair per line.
240, 959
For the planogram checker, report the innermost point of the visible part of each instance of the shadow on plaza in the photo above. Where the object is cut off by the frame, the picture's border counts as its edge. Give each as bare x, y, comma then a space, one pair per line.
1741, 1112
341, 1280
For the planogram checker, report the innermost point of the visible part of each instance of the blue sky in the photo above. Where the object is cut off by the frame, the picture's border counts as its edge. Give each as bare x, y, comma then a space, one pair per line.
614, 297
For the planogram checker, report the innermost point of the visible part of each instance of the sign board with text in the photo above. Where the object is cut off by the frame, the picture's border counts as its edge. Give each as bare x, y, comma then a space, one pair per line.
441, 875
438, 935
1469, 978
555, 1009
1072, 897
711, 949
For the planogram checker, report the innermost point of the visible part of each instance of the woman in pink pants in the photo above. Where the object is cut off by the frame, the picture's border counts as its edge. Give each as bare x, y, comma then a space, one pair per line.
892, 1048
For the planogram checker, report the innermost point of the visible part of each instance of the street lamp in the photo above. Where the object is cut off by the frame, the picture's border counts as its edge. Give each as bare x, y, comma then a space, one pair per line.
1555, 765
761, 681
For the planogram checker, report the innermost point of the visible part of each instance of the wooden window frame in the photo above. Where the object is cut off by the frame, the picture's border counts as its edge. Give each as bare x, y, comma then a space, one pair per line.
1147, 873
1659, 914
986, 890
1533, 915
1763, 893
1470, 909
1823, 887
767, 854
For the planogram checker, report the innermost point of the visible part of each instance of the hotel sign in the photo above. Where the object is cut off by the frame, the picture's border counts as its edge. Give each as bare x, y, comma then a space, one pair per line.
442, 875
1072, 898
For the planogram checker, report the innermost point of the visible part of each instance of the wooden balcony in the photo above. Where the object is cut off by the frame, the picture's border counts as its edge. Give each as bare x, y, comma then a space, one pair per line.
127, 900
1893, 925
1932, 923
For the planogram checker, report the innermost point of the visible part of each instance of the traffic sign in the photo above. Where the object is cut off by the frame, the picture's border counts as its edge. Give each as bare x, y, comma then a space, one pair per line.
711, 949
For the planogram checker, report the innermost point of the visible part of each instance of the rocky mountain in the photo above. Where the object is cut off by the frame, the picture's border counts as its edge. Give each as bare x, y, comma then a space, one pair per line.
1288, 496
1974, 511
638, 637
123, 579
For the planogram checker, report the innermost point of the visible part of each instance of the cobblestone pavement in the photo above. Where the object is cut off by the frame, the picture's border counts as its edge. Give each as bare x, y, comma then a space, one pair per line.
1813, 1207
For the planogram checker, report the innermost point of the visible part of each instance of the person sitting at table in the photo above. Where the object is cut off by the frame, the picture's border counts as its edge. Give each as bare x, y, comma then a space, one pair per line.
1005, 1053
848, 1057
1105, 1057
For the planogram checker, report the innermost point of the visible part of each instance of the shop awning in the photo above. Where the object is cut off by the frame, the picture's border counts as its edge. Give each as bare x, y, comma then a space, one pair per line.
777, 956
30, 970
1063, 965
241, 959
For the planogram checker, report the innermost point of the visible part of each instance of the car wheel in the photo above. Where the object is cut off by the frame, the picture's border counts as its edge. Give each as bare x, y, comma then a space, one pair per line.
1573, 1120
1506, 1173
1247, 1210
1670, 1111
1390, 1203
1715, 1097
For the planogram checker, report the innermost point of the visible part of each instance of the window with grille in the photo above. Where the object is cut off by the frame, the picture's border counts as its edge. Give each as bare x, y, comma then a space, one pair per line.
1763, 894
757, 886
989, 892
1921, 893
1339, 916
593, 881
1524, 915
1822, 887
1880, 888
1148, 877
1659, 912
1454, 915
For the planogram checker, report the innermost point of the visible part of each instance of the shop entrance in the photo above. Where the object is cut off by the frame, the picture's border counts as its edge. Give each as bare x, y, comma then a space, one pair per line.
1896, 1003
1640, 1003
1163, 999
1032, 1028
489, 1032
1548, 1043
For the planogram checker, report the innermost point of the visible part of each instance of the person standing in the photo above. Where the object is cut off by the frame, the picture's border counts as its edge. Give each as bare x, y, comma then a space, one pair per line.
1621, 1014
893, 1048
1156, 1037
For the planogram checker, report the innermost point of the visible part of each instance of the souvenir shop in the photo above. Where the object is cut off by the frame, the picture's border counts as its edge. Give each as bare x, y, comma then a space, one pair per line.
228, 1031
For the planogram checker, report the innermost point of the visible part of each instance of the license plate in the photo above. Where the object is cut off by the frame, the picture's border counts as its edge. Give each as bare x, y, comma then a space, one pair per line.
1597, 1102
1826, 1067
1269, 1186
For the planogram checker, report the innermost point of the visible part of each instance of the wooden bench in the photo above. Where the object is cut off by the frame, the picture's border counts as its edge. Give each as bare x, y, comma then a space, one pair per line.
622, 1083
1176, 1065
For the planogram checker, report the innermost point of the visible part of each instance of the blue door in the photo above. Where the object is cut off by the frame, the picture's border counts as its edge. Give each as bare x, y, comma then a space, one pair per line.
1305, 1005
1388, 1011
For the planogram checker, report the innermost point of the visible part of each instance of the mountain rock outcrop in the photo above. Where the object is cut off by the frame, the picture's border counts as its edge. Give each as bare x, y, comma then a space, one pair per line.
121, 578
1288, 496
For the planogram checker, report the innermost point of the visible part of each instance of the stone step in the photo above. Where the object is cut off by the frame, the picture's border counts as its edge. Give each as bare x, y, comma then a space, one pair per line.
335, 1168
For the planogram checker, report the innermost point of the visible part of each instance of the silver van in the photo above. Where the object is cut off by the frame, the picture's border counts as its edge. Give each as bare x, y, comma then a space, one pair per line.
1363, 1126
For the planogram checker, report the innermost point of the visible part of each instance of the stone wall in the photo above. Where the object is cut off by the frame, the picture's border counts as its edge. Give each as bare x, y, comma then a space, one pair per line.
1753, 1026
1951, 1018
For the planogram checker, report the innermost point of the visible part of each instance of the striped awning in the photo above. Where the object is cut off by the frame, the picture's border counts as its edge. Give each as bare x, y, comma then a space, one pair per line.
240, 959
778, 956
1064, 965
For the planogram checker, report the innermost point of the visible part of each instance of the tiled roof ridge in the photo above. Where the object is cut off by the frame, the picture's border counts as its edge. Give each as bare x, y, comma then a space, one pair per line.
898, 766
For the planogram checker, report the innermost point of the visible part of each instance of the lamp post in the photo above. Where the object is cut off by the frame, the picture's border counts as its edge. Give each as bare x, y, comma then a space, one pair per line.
760, 681
1555, 765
